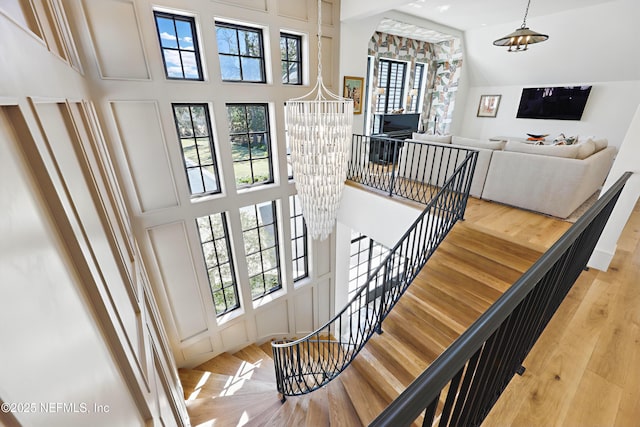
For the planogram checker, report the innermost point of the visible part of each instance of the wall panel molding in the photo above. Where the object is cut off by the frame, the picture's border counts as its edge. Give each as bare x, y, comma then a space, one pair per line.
260, 5
145, 151
296, 9
178, 279
117, 39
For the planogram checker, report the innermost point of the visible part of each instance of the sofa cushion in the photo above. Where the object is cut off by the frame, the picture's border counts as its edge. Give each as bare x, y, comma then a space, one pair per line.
566, 151
600, 144
585, 149
444, 139
477, 143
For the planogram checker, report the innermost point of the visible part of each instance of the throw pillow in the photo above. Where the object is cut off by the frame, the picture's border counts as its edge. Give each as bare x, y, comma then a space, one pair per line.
566, 151
477, 143
585, 149
444, 139
600, 144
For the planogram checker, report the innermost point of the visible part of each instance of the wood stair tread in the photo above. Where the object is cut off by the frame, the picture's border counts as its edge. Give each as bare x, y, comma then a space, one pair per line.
473, 265
231, 410
199, 384
367, 402
498, 248
445, 298
318, 409
266, 347
255, 355
378, 375
228, 364
341, 410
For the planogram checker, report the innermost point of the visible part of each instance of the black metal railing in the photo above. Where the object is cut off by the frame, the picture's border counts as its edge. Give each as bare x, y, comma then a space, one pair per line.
411, 169
461, 386
307, 364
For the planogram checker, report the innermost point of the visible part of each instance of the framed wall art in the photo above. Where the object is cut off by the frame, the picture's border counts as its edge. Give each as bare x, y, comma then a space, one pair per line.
488, 106
353, 89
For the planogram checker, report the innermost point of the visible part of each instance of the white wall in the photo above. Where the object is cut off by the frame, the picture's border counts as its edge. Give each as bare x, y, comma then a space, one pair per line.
78, 321
607, 114
585, 46
380, 217
627, 161
133, 97
354, 46
52, 348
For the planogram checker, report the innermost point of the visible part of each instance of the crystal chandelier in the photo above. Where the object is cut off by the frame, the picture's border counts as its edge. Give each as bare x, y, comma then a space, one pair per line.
319, 128
522, 37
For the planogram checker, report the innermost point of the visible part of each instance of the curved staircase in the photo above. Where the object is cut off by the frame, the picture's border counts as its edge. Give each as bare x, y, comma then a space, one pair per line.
469, 271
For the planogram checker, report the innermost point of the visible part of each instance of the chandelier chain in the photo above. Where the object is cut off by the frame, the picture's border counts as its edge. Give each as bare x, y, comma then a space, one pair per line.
526, 12
320, 39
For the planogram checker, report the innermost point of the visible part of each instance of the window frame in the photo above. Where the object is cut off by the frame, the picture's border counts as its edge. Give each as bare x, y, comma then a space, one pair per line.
196, 46
276, 247
418, 84
230, 261
248, 133
289, 36
200, 166
295, 236
398, 84
262, 57
363, 253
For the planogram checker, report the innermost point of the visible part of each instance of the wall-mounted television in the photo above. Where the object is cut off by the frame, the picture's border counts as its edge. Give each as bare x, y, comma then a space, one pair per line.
556, 103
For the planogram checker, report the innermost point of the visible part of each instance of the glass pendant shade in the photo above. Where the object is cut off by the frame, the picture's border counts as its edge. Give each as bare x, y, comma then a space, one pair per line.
319, 128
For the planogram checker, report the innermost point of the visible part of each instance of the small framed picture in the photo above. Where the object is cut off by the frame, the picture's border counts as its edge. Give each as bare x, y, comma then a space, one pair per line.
488, 106
353, 89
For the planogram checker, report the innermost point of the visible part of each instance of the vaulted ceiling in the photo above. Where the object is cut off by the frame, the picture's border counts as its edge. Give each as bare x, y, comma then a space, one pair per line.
464, 14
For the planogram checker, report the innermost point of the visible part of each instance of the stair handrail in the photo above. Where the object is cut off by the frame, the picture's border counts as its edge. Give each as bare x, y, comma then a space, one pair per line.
478, 366
308, 363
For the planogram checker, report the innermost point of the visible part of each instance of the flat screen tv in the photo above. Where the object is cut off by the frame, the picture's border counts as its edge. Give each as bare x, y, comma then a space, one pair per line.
557, 103
400, 122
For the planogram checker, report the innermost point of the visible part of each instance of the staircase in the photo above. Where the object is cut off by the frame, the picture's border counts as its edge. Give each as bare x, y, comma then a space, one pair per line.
468, 272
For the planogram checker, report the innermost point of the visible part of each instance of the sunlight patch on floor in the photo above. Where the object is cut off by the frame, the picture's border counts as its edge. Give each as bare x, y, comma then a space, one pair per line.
196, 391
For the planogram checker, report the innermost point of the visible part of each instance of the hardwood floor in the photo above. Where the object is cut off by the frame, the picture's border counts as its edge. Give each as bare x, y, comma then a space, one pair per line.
584, 370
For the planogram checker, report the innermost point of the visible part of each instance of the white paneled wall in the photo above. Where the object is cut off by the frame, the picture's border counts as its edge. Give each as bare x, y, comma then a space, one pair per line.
119, 52
82, 339
144, 153
119, 45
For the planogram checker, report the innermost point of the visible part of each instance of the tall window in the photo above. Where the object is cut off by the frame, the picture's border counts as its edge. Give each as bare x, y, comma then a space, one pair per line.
260, 233
299, 254
179, 46
219, 261
194, 131
288, 146
366, 255
241, 53
416, 89
291, 58
391, 77
250, 143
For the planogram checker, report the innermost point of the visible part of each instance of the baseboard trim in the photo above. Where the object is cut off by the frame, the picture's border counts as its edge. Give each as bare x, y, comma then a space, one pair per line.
601, 259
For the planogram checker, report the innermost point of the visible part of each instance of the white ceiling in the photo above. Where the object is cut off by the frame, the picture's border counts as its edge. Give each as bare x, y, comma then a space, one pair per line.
469, 14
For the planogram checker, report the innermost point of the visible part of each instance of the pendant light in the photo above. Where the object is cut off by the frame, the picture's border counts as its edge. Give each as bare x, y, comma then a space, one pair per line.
319, 128
521, 38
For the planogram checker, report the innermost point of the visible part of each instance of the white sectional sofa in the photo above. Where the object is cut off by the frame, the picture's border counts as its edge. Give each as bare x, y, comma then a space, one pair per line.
554, 180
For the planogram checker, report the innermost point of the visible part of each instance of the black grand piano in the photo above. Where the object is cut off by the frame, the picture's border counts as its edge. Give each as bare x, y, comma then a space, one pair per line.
394, 126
